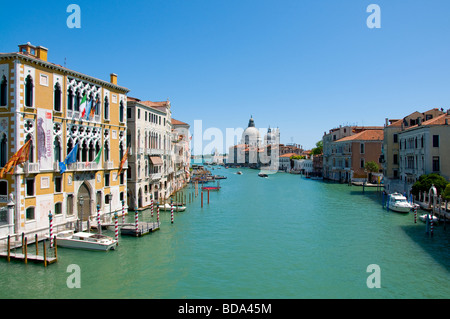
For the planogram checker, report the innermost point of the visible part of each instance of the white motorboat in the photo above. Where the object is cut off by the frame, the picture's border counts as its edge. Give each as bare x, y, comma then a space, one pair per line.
83, 240
424, 218
399, 203
167, 207
239, 173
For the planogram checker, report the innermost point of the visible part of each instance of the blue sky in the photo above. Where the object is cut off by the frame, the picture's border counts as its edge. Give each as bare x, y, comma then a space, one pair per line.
305, 66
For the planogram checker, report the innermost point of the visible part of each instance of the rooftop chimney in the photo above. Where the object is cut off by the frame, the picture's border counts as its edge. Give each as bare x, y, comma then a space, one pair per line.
41, 53
114, 78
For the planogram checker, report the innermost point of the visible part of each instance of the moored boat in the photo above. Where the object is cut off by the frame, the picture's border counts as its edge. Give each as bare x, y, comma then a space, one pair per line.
168, 207
399, 203
424, 218
83, 240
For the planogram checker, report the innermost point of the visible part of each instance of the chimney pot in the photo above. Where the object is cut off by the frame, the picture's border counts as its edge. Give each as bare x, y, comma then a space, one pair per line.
41, 53
114, 78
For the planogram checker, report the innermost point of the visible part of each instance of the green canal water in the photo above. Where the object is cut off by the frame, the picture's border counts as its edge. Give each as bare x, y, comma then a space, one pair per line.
278, 237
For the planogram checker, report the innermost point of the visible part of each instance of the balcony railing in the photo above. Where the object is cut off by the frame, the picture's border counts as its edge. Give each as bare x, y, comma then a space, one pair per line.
3, 198
108, 165
31, 168
155, 176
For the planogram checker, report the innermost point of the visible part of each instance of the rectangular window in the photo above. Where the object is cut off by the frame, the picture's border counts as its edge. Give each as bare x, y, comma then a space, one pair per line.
29, 186
435, 140
43, 80
395, 138
106, 179
129, 112
436, 164
139, 113
362, 163
70, 204
58, 184
362, 148
396, 159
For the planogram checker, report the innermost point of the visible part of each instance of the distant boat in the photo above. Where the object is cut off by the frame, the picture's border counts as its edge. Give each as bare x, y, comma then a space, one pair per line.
262, 175
168, 207
220, 177
239, 173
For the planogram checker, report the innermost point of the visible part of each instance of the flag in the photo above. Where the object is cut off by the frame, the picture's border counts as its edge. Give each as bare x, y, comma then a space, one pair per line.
93, 108
97, 158
21, 156
88, 109
83, 106
122, 162
71, 158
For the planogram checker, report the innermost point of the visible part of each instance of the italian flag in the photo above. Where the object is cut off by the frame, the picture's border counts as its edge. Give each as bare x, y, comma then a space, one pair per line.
83, 106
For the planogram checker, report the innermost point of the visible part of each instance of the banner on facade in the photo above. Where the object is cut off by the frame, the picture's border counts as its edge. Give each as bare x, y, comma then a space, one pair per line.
45, 139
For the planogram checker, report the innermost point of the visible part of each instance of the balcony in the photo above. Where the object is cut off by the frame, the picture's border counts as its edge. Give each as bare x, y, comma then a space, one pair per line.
154, 151
108, 165
80, 166
155, 176
31, 168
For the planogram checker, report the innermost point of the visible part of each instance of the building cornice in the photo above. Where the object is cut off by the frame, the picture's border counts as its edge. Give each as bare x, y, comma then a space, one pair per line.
66, 71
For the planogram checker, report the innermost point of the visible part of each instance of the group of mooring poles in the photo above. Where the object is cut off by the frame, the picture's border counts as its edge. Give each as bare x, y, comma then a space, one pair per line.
26, 256
429, 217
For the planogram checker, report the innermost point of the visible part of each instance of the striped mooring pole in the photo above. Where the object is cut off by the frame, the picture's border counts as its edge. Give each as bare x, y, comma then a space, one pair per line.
123, 211
157, 212
50, 218
116, 227
151, 205
415, 215
99, 225
431, 224
136, 220
171, 211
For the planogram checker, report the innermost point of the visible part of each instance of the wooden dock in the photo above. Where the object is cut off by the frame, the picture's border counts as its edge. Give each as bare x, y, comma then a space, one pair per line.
16, 250
143, 229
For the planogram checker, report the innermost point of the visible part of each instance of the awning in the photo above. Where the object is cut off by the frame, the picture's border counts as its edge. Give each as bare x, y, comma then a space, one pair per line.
156, 160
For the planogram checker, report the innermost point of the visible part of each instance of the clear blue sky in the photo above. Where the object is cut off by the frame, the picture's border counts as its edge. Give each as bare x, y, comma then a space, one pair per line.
305, 66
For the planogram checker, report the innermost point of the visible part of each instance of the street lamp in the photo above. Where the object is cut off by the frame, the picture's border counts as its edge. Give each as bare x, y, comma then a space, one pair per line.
81, 201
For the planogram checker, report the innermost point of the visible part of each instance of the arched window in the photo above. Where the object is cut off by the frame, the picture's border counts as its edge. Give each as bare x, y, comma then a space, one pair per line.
91, 151
77, 101
3, 150
29, 91
3, 91
57, 150
121, 112
30, 155
70, 99
106, 154
121, 151
106, 108
57, 98
84, 151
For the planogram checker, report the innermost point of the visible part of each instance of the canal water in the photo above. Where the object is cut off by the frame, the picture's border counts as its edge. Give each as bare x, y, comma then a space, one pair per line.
278, 237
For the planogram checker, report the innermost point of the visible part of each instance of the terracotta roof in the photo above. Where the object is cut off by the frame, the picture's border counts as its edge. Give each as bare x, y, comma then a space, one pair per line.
176, 122
368, 135
439, 120
288, 155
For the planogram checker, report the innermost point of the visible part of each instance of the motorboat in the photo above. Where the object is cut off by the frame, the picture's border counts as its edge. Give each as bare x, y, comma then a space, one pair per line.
168, 207
219, 177
399, 203
262, 175
239, 173
84, 240
424, 218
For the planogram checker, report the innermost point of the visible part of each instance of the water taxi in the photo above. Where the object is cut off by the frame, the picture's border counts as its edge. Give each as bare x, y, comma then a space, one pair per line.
167, 207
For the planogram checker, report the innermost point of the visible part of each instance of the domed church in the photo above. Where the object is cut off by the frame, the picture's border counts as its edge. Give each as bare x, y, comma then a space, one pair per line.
251, 134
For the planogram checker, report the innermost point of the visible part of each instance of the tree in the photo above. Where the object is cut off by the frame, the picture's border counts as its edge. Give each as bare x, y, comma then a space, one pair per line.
371, 167
426, 181
318, 149
446, 195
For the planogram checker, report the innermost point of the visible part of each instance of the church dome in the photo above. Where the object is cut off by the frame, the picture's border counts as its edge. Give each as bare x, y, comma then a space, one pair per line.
251, 135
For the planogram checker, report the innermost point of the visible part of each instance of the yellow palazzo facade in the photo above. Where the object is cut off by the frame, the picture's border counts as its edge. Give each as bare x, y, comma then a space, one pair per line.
41, 101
